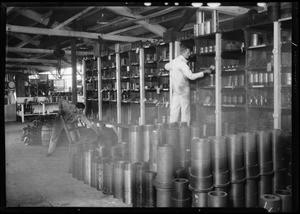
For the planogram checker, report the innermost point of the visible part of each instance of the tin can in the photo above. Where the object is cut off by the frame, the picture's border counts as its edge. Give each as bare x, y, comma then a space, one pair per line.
224, 99
210, 48
265, 78
251, 79
288, 78
241, 100
206, 49
229, 99
255, 78
260, 78
271, 78
201, 49
207, 27
234, 99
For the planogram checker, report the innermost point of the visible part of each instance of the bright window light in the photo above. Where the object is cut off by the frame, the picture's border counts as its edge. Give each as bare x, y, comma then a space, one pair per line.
176, 3
147, 4
197, 4
261, 4
213, 4
166, 3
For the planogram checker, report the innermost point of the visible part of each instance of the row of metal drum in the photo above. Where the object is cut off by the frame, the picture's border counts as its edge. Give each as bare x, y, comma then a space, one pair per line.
175, 165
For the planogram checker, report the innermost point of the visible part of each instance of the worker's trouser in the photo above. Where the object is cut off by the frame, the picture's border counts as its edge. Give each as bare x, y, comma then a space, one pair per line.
57, 128
180, 104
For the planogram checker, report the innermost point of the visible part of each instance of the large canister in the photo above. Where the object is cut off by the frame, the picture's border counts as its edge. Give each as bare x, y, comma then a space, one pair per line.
153, 151
139, 167
129, 194
184, 146
217, 199
172, 138
108, 178
149, 192
147, 139
180, 193
135, 144
118, 182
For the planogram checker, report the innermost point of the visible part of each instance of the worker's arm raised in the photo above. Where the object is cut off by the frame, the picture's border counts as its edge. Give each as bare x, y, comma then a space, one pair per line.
89, 124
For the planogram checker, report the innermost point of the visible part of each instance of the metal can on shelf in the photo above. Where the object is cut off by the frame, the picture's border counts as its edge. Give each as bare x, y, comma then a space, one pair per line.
210, 48
234, 99
255, 78
224, 99
240, 100
260, 78
271, 78
288, 79
201, 49
251, 79
205, 49
229, 99
265, 78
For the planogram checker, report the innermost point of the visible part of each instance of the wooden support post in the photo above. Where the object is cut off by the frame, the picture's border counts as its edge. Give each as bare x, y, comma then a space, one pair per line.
84, 82
171, 54
118, 82
74, 72
99, 88
218, 85
277, 76
142, 87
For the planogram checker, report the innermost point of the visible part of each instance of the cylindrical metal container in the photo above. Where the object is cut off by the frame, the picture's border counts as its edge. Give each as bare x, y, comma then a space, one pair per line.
148, 188
235, 160
100, 171
147, 133
219, 164
251, 201
217, 199
180, 193
118, 183
135, 144
218, 146
124, 150
75, 166
108, 178
163, 197
73, 151
100, 151
153, 151
278, 181
207, 27
116, 152
271, 203
172, 138
180, 190
184, 146
265, 168
80, 167
249, 142
237, 190
286, 9
200, 149
139, 167
286, 199
250, 158
201, 168
161, 132
88, 167
94, 172
265, 184
251, 171
200, 183
129, 193
199, 199
237, 175
220, 179
164, 166
182, 173
251, 193
196, 131
235, 144
236, 202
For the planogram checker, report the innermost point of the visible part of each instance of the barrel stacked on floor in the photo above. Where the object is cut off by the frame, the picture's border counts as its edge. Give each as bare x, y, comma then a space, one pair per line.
175, 165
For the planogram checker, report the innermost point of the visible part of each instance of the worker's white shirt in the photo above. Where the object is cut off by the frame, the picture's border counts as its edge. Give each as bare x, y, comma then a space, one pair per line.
179, 74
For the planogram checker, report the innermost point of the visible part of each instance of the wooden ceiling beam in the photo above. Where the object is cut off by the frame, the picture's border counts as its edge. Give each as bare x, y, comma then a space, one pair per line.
125, 11
39, 67
228, 10
118, 20
68, 21
51, 61
66, 33
44, 51
25, 38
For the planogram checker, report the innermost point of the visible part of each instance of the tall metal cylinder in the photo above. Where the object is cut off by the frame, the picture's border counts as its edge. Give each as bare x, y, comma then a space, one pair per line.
196, 131
161, 132
199, 199
129, 193
286, 200
88, 167
201, 149
147, 139
164, 174
251, 192
271, 203
163, 197
217, 199
218, 146
75, 166
118, 183
108, 178
184, 146
153, 151
135, 144
81, 161
263, 139
139, 167
265, 184
278, 180
172, 138
235, 144
100, 171
237, 194
124, 150
94, 173
148, 188
180, 189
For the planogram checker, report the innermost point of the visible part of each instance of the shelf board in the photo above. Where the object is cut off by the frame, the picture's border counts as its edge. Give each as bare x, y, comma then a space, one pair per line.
233, 87
233, 106
208, 105
164, 75
206, 36
260, 86
261, 47
224, 71
207, 87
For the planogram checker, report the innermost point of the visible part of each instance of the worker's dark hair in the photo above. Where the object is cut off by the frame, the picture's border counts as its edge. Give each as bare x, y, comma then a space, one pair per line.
183, 49
80, 105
